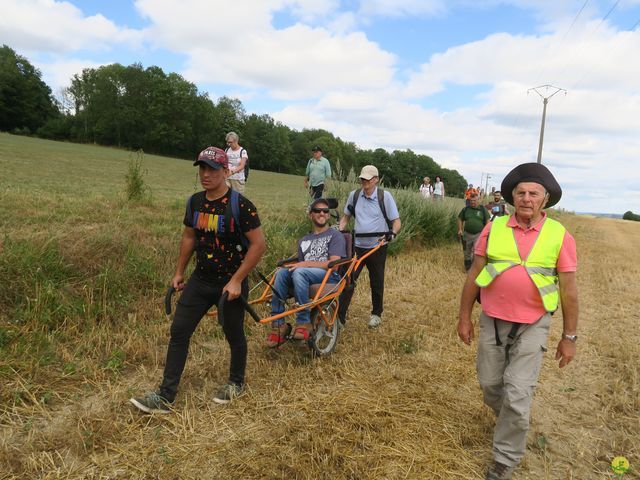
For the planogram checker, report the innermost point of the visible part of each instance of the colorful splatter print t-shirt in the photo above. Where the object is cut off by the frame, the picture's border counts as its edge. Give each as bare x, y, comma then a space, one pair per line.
218, 254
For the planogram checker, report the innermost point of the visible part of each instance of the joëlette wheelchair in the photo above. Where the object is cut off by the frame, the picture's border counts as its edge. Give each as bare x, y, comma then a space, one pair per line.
324, 297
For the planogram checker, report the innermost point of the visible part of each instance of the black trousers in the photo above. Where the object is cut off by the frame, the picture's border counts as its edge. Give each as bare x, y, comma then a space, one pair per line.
375, 265
316, 192
196, 299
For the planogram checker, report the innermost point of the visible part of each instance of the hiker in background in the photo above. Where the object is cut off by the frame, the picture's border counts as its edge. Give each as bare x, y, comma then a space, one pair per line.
426, 189
315, 251
497, 207
374, 211
238, 159
467, 194
438, 189
223, 229
524, 265
318, 170
471, 221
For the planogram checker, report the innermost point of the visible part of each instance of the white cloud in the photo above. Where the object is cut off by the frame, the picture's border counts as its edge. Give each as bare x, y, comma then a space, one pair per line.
58, 74
292, 63
50, 26
334, 77
401, 8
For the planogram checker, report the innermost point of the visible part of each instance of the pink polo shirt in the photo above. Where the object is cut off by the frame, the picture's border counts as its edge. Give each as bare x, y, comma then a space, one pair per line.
512, 295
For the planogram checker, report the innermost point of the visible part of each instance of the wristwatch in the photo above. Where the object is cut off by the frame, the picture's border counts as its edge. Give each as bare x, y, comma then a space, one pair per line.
571, 338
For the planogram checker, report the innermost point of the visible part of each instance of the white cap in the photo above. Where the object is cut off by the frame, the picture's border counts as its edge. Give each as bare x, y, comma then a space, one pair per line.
368, 172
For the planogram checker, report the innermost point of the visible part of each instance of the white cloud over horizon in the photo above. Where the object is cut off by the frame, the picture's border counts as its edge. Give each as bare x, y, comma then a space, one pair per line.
324, 70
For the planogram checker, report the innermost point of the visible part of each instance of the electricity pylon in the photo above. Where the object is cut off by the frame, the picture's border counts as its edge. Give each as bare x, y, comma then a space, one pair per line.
545, 100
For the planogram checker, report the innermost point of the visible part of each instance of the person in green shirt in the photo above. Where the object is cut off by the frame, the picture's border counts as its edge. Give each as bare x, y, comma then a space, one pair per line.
318, 169
471, 221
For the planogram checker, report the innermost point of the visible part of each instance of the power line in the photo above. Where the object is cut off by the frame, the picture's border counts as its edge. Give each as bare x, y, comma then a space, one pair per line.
575, 19
609, 52
607, 15
544, 68
591, 34
561, 42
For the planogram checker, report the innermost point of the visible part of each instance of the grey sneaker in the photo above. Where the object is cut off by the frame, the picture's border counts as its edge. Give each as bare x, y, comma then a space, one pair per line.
374, 321
227, 393
152, 403
499, 471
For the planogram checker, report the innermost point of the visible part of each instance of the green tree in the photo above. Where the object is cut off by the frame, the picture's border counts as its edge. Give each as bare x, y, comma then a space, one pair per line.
228, 116
25, 100
629, 215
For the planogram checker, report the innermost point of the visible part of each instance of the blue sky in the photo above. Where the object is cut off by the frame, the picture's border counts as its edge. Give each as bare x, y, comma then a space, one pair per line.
444, 78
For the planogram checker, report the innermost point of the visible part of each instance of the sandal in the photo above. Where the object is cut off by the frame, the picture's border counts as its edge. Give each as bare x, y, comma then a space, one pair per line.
301, 333
278, 335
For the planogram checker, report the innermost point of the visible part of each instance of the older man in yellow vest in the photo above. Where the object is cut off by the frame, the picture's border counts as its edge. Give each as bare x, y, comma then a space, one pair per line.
524, 266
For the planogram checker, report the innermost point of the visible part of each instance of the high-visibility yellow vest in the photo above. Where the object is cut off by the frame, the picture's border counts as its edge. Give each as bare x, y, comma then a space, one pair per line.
540, 264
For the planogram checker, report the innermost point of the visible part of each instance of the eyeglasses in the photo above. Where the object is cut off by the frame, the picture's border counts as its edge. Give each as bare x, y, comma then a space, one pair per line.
320, 210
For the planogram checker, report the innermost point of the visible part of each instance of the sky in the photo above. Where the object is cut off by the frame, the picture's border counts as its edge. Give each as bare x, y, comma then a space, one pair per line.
451, 79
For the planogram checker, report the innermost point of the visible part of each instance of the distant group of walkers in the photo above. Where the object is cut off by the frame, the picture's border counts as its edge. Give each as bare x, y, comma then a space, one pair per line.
431, 191
521, 267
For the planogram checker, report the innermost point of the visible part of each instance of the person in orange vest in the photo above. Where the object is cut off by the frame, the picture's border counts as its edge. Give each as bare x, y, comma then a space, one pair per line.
467, 194
524, 267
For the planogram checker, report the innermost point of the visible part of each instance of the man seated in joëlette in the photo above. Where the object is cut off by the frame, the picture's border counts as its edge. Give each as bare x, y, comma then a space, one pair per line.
315, 251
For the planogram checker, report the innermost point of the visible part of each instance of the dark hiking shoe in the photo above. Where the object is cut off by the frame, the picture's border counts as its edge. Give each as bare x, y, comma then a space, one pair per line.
499, 471
227, 393
152, 403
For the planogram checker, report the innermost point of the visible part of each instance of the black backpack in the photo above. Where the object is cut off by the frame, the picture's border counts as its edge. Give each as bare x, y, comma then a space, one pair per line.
383, 209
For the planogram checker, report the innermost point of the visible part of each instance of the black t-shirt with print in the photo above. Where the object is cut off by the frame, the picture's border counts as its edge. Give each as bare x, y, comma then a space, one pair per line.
218, 255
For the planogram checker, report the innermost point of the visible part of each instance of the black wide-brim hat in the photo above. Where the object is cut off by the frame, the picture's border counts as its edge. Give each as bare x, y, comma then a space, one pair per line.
531, 172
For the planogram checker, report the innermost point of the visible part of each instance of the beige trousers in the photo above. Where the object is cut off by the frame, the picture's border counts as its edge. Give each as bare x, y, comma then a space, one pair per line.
237, 185
508, 375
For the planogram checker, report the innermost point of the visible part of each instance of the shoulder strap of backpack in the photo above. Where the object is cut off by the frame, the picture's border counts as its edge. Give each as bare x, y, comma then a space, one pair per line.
383, 208
232, 219
352, 206
189, 207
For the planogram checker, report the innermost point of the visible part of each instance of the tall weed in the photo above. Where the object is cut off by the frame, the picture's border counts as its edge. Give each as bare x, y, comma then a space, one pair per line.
135, 186
424, 221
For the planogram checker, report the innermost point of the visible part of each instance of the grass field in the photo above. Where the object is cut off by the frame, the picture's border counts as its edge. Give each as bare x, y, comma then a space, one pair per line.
82, 329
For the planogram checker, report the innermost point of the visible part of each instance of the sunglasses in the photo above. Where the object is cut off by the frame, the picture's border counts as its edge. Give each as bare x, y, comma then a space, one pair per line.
320, 210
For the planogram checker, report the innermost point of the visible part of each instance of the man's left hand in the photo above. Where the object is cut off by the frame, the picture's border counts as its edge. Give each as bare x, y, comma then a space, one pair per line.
234, 288
565, 352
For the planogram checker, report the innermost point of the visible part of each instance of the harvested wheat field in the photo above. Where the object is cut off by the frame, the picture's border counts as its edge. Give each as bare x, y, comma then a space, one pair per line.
398, 402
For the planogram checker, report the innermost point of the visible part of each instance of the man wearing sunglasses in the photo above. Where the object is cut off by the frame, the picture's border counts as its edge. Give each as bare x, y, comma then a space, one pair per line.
315, 251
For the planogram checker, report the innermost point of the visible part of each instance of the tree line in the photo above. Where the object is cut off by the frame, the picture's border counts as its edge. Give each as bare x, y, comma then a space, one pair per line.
145, 108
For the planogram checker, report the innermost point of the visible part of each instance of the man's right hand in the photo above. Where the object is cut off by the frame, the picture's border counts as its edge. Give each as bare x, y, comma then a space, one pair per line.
177, 282
465, 330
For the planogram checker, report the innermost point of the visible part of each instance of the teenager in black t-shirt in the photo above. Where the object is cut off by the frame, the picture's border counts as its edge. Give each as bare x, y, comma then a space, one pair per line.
227, 249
